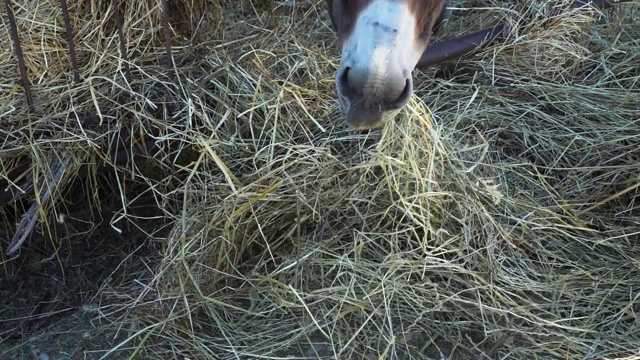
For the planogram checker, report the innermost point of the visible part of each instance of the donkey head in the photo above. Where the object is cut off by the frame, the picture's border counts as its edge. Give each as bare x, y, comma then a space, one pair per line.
382, 42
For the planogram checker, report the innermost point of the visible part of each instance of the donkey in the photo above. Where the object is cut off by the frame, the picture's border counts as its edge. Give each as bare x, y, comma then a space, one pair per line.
382, 42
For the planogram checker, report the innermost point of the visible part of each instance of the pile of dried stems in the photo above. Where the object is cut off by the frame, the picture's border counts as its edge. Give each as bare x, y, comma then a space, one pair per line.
499, 215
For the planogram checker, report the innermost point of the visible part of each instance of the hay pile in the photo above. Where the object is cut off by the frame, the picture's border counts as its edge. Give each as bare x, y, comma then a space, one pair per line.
499, 215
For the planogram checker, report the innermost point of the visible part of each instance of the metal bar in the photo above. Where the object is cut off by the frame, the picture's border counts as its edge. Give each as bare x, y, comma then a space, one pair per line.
70, 43
123, 42
13, 28
167, 39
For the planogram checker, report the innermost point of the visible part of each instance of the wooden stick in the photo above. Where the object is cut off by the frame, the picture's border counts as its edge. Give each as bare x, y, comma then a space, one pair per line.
29, 219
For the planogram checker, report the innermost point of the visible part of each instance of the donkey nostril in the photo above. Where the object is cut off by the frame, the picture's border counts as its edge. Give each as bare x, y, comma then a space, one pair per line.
404, 96
344, 78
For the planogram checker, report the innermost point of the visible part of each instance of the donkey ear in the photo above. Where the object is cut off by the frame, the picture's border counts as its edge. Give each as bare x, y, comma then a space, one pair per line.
330, 10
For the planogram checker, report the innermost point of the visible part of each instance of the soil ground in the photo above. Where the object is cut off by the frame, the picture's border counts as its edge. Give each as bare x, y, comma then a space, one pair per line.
44, 301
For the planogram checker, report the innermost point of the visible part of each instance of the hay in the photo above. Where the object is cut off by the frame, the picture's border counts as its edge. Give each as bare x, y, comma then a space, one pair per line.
498, 215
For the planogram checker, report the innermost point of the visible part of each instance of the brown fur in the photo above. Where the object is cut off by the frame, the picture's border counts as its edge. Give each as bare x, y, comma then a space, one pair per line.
344, 15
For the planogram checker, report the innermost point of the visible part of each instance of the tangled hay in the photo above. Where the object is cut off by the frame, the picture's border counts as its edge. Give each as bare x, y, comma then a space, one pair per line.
496, 218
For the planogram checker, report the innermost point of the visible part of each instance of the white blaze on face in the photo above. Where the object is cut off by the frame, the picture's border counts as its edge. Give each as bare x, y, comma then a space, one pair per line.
381, 49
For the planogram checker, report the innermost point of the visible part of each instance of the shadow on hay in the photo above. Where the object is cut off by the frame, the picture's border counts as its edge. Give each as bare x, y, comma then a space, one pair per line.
49, 291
